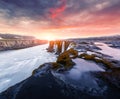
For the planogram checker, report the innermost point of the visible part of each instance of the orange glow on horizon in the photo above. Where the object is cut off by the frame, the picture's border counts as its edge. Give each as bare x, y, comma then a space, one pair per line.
47, 36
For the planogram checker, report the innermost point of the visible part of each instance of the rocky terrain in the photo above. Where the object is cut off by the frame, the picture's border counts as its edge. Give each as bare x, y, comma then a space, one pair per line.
45, 83
11, 44
82, 71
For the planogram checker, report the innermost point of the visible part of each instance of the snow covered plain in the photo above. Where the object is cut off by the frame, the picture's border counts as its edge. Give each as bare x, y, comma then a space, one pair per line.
17, 65
113, 52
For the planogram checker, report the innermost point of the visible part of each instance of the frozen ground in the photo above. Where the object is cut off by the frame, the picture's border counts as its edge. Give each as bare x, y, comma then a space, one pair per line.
113, 52
80, 76
18, 65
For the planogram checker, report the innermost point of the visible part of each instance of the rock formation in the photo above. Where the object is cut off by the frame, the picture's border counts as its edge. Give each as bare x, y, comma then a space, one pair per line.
65, 60
44, 84
19, 44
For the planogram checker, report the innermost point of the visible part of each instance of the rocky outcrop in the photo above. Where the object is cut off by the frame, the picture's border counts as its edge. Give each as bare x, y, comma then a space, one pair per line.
65, 59
107, 63
44, 87
44, 84
112, 77
19, 44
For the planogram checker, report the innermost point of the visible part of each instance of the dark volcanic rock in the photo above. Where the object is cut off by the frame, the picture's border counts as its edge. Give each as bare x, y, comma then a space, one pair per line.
113, 77
43, 84
44, 87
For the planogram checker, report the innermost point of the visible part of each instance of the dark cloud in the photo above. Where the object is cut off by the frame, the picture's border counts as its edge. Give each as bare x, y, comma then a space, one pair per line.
93, 6
56, 11
28, 8
59, 16
51, 9
113, 9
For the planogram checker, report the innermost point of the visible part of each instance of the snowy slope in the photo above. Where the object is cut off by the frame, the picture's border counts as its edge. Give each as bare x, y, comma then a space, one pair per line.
115, 53
17, 65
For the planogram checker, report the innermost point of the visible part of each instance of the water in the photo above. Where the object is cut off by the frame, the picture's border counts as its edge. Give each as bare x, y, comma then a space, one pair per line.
80, 76
17, 65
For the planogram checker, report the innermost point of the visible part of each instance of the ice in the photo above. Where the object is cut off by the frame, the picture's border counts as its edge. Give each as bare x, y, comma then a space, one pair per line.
80, 76
83, 66
18, 65
113, 52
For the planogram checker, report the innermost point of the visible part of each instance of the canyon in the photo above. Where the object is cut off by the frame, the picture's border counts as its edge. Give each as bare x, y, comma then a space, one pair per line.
12, 44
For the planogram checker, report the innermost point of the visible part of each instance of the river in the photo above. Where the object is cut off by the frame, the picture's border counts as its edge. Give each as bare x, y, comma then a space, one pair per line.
17, 65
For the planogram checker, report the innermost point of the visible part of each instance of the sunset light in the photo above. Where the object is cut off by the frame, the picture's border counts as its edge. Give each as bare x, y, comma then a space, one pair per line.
49, 37
61, 18
59, 49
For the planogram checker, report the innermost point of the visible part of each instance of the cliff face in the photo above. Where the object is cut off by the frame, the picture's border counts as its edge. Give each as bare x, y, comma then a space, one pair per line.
19, 44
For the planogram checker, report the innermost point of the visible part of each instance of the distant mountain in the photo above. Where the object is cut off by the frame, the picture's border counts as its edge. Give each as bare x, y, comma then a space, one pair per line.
103, 38
14, 36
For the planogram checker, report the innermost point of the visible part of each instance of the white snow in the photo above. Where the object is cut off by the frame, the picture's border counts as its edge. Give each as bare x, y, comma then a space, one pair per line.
80, 77
90, 53
113, 52
18, 65
81, 67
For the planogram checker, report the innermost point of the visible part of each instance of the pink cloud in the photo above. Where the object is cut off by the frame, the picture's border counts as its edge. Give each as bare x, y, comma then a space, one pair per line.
55, 12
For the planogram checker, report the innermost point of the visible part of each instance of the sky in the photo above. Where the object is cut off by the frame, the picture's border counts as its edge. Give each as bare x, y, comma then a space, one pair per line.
60, 18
